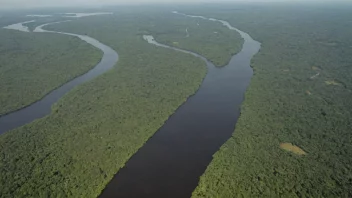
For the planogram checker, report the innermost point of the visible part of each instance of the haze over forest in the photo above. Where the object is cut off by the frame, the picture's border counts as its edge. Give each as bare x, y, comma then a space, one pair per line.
175, 98
20, 4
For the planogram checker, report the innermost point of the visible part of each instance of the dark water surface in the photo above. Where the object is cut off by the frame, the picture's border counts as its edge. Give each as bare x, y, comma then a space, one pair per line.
170, 163
42, 107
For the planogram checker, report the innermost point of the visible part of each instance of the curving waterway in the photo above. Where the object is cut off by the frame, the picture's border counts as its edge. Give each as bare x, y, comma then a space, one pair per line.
42, 107
171, 162
19, 26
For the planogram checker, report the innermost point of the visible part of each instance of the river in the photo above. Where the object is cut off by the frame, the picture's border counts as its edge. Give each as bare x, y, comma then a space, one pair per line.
42, 107
171, 162
19, 26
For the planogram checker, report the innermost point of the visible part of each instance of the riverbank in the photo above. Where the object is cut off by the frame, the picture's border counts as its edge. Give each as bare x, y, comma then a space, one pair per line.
94, 129
208, 38
284, 105
32, 65
175, 157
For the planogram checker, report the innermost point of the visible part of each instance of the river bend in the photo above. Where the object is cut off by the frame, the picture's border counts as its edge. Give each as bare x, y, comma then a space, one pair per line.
42, 107
171, 162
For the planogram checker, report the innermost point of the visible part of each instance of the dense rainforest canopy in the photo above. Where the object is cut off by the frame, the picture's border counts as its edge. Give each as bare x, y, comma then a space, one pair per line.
292, 139
33, 64
300, 95
94, 129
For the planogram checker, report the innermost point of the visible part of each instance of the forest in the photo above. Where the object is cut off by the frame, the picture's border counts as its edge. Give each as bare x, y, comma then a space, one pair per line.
32, 65
293, 136
299, 96
94, 129
43, 20
208, 38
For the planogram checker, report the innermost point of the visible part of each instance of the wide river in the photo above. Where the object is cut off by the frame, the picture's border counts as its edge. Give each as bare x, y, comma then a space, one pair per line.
171, 162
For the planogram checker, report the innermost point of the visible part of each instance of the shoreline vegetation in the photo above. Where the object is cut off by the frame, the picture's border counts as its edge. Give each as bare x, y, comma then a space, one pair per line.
32, 65
283, 104
293, 136
207, 38
94, 129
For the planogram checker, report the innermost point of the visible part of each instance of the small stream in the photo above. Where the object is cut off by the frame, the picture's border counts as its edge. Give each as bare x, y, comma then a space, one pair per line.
171, 162
42, 107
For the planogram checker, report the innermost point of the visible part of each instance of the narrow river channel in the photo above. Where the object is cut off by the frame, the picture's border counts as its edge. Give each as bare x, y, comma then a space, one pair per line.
42, 107
171, 162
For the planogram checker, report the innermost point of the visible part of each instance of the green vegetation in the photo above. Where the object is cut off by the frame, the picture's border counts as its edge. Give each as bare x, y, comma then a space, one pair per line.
9, 19
97, 127
210, 39
33, 64
277, 108
298, 101
39, 21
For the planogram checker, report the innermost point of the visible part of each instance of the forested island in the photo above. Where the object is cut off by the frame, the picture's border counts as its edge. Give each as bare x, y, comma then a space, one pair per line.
94, 129
32, 65
292, 138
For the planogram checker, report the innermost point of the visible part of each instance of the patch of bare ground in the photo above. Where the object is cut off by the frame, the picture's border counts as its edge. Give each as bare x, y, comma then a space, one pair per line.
292, 148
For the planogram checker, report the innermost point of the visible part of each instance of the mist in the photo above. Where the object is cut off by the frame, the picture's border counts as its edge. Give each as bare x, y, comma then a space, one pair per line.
20, 4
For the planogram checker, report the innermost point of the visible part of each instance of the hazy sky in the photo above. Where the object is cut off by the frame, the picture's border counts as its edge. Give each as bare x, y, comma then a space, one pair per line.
45, 3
